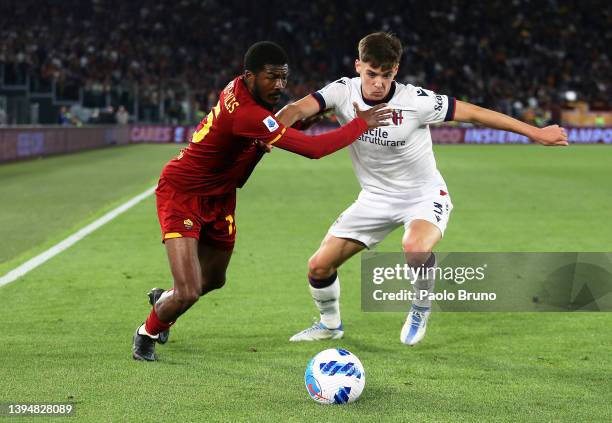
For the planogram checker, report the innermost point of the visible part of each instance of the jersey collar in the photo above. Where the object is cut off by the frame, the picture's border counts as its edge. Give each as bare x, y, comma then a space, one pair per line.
388, 97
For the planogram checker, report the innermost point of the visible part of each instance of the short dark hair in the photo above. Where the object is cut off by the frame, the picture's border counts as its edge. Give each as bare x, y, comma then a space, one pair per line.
264, 53
380, 49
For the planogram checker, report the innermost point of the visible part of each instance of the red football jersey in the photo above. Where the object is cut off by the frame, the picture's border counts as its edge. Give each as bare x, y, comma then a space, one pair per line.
222, 152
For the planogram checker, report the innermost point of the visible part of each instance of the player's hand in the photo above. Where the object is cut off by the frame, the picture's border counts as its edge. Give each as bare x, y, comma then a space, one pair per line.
262, 146
376, 116
551, 135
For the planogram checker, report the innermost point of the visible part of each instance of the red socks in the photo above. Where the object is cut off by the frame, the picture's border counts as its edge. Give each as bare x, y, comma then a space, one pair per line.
153, 325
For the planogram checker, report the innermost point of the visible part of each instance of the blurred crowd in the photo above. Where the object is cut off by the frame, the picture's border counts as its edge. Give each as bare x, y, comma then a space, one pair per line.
518, 56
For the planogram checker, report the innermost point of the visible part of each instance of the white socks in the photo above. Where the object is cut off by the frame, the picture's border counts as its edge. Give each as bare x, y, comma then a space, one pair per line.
327, 301
143, 331
419, 287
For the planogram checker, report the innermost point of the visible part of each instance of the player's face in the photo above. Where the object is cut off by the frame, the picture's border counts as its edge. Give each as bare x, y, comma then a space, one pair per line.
375, 82
270, 82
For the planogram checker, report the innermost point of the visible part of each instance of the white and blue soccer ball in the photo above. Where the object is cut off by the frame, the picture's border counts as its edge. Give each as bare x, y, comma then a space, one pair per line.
334, 376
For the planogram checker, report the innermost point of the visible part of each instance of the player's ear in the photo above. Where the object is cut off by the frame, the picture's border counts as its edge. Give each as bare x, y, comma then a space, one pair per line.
357, 65
395, 69
249, 78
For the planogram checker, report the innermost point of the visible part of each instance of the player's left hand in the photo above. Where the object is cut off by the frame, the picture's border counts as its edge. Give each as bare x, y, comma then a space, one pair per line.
552, 135
262, 146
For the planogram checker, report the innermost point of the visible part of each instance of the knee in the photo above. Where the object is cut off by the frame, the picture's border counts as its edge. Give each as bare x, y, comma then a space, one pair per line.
218, 283
212, 284
317, 269
416, 245
186, 297
212, 280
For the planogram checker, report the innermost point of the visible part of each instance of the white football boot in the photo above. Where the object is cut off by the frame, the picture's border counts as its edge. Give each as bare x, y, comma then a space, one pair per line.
318, 332
415, 325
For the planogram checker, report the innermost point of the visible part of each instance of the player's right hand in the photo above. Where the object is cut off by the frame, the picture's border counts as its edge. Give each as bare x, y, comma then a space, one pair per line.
551, 135
376, 116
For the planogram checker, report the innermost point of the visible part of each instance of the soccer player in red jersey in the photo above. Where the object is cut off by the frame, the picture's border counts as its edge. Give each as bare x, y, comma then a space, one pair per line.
196, 194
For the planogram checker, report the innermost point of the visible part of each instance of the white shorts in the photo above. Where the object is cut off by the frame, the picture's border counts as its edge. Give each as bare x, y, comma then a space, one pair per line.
373, 216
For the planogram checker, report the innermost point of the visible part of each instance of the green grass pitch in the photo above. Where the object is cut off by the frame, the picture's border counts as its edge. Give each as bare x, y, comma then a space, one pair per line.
67, 325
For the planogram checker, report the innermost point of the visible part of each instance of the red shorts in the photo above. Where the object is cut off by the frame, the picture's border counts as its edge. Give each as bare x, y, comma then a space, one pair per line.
209, 219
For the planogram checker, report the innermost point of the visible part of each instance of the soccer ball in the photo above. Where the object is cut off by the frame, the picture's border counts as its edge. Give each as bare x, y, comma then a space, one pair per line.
334, 376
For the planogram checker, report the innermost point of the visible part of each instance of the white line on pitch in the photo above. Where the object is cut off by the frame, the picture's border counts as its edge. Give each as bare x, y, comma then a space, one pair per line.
72, 239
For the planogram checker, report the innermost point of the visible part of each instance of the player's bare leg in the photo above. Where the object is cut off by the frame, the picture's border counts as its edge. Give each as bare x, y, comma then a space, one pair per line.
325, 287
185, 268
332, 253
213, 263
417, 243
187, 274
197, 269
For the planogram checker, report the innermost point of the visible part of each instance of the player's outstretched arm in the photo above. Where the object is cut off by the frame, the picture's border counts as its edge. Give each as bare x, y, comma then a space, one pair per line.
304, 108
317, 146
550, 135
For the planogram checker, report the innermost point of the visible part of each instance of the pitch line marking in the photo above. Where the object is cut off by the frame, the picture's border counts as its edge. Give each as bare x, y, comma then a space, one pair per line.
36, 261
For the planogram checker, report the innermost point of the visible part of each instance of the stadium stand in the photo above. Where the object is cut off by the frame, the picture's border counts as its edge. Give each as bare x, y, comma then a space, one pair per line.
165, 61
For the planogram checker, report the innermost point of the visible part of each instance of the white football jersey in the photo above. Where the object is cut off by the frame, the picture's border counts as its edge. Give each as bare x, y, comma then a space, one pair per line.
398, 158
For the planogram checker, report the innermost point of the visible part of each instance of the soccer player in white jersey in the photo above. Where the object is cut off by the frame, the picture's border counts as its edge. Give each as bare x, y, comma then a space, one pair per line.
396, 168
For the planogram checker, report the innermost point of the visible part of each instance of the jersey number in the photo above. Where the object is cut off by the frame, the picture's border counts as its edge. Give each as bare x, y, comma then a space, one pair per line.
230, 223
198, 136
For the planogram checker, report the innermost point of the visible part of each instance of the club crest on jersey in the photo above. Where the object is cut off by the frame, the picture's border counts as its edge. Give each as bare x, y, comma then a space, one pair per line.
271, 123
188, 223
397, 117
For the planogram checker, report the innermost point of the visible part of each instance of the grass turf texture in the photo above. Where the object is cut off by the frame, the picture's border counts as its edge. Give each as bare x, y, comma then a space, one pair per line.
68, 324
44, 200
